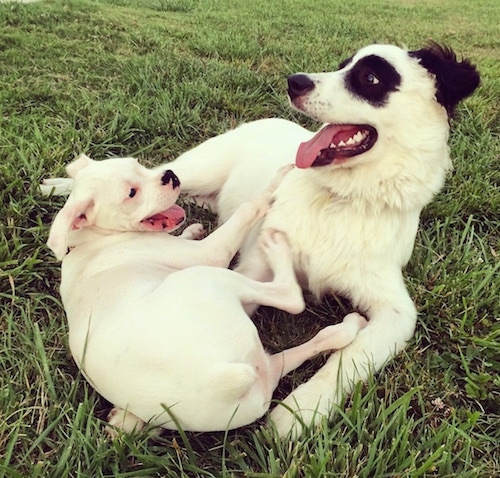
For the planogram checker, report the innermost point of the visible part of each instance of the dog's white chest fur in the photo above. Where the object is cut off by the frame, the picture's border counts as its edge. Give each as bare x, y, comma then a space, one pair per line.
333, 238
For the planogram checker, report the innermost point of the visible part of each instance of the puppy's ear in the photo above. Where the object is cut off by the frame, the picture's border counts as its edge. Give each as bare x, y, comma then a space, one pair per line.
455, 80
72, 216
77, 165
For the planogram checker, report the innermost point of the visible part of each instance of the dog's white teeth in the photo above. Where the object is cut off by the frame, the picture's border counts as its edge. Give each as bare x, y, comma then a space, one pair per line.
355, 140
350, 141
358, 137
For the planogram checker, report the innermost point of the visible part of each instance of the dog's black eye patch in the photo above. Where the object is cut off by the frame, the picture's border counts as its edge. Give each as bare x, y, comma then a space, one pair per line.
372, 78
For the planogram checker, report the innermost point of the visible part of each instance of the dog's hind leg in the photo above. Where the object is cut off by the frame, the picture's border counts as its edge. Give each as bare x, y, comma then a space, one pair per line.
204, 169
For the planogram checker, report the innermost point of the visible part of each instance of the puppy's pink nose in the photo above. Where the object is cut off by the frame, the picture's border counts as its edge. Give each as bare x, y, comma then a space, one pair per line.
168, 176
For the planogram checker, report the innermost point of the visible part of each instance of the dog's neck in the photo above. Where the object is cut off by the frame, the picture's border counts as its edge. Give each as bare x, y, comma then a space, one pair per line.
78, 237
366, 188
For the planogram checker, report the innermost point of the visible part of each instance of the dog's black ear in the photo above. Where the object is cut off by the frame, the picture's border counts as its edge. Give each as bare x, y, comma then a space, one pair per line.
455, 80
344, 63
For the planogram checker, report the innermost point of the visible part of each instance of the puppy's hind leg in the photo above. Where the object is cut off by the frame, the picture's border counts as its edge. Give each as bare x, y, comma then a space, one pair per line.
284, 291
333, 337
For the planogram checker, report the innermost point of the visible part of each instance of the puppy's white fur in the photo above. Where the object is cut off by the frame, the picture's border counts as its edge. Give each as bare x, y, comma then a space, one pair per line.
351, 224
153, 325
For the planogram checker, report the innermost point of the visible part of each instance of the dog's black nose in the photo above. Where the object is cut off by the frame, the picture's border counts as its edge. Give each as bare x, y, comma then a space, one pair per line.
168, 176
299, 85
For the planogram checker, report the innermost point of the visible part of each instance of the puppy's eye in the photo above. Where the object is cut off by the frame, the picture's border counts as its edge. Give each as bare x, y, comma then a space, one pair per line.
371, 79
132, 193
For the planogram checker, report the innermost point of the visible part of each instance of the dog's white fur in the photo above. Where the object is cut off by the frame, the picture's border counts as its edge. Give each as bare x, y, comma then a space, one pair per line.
156, 322
351, 225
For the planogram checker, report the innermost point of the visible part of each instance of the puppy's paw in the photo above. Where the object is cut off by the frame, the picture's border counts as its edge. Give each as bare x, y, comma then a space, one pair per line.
276, 248
264, 202
282, 172
356, 320
120, 419
193, 232
274, 244
261, 205
338, 336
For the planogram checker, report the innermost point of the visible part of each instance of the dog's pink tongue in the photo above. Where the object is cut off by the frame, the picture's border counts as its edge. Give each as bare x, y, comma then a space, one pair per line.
166, 220
309, 150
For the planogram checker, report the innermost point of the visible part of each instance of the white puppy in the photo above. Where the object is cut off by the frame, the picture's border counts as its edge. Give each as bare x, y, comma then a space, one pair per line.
351, 209
157, 329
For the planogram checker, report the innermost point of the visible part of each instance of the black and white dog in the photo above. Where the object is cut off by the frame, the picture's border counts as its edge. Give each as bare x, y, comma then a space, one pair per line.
351, 207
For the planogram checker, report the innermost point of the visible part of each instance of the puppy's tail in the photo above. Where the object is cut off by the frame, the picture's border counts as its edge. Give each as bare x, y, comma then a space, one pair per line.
233, 380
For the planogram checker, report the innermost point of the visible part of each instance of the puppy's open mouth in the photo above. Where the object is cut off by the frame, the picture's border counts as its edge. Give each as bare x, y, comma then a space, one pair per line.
335, 144
167, 220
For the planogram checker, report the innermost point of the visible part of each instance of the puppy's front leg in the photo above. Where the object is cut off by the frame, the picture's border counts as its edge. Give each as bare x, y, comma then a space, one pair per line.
223, 244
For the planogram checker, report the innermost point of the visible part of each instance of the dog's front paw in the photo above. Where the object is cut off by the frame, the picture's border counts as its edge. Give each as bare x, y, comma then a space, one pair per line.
303, 408
193, 232
120, 419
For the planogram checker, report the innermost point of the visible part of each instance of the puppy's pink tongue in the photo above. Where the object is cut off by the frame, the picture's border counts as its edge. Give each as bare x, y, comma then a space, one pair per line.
166, 220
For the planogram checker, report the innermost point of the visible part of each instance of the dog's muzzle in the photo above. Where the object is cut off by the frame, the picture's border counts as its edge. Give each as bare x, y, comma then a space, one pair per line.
168, 176
298, 85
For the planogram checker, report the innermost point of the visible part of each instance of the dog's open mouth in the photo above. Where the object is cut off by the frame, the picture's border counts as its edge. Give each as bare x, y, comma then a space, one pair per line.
335, 143
166, 220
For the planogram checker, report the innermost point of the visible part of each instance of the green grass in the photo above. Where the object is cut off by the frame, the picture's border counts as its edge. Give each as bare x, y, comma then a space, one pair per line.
152, 78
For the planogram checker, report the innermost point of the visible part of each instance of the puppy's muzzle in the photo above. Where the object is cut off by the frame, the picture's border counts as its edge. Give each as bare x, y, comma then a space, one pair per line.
299, 85
168, 176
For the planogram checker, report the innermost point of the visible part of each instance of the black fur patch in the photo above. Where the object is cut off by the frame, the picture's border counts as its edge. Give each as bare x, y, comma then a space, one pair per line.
373, 79
344, 63
455, 80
